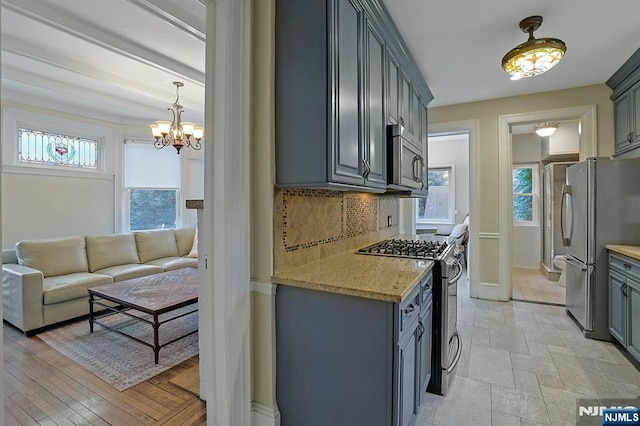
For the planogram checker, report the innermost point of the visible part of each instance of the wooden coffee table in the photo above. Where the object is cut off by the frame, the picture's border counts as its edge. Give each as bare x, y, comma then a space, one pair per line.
155, 295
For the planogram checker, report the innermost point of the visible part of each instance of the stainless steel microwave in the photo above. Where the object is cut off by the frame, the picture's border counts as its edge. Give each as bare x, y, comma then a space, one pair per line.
407, 166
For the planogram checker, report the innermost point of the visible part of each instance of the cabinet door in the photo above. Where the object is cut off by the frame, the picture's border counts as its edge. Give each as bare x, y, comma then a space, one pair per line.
622, 121
633, 318
375, 153
405, 102
617, 307
635, 112
393, 93
408, 386
415, 114
347, 152
424, 339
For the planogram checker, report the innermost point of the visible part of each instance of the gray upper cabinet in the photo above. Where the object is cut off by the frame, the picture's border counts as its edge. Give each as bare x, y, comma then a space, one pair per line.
348, 153
625, 84
405, 102
393, 91
375, 146
342, 74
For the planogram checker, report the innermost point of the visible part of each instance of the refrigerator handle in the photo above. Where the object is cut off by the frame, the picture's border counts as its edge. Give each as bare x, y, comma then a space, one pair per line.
566, 190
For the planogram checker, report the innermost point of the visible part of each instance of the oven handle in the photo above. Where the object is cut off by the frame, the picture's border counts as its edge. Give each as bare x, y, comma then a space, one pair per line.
458, 274
458, 353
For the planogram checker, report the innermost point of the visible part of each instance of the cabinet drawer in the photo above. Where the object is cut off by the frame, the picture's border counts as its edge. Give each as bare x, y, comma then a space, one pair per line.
625, 265
426, 288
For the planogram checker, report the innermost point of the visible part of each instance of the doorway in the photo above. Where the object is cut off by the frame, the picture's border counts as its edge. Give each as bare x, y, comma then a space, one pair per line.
586, 121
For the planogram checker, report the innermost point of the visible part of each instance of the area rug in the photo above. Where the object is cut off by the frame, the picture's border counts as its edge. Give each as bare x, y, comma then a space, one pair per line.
120, 361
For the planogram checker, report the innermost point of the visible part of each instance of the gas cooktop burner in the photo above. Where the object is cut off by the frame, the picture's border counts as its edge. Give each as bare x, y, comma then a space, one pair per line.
414, 249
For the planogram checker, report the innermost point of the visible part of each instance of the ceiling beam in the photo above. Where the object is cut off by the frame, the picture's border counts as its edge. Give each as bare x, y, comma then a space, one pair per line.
176, 16
20, 76
104, 38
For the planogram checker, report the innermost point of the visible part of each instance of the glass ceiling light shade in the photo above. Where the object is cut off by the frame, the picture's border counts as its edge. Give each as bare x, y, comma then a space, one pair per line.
534, 56
177, 133
545, 129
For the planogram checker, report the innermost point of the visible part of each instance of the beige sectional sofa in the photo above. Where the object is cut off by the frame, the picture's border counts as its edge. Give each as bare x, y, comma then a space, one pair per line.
48, 282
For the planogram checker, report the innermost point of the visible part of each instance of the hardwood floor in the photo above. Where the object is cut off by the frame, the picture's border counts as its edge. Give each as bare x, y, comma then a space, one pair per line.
43, 387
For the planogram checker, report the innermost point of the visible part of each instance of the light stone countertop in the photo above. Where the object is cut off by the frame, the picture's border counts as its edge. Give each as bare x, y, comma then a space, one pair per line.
383, 278
631, 251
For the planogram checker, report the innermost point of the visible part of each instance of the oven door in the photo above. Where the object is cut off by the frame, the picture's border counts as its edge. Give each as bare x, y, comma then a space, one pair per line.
408, 165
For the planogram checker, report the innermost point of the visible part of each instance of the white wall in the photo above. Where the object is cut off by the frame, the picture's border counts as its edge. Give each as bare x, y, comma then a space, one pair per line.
453, 150
526, 240
526, 148
39, 203
487, 179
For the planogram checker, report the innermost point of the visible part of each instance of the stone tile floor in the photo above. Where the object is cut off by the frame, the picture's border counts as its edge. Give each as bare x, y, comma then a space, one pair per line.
528, 364
532, 285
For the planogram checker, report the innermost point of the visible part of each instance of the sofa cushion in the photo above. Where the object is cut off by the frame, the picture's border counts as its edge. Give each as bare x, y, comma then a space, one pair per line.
104, 251
59, 256
127, 272
71, 286
155, 244
184, 239
172, 263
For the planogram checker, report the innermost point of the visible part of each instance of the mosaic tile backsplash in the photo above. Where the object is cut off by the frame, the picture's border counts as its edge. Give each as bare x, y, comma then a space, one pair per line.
311, 224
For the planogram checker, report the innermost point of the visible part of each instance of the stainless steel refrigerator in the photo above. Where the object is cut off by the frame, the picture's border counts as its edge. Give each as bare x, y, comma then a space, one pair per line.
600, 205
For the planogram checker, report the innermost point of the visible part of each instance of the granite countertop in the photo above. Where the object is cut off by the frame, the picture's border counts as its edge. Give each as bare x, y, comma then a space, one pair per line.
631, 251
388, 279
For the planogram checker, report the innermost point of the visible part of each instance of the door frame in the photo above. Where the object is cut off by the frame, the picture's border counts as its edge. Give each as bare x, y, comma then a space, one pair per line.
470, 127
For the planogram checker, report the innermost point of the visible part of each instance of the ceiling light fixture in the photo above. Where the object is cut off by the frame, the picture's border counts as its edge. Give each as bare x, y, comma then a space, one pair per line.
534, 56
545, 129
177, 132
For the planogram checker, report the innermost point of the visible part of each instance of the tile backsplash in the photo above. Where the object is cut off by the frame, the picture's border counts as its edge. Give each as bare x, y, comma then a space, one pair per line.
311, 224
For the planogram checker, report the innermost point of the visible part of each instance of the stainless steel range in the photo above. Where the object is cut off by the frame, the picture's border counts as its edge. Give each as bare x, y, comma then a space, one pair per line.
447, 344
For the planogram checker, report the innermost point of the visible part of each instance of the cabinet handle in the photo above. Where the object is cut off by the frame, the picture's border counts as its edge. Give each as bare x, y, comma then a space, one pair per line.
409, 309
413, 166
402, 121
623, 289
630, 137
420, 329
627, 267
367, 168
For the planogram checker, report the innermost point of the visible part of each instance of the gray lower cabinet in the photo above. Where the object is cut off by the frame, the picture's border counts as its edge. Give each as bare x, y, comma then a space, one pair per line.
624, 302
617, 307
345, 360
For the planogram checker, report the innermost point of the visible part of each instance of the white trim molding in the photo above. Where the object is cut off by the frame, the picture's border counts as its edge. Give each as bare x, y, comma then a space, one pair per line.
262, 415
471, 127
586, 114
488, 235
266, 288
225, 350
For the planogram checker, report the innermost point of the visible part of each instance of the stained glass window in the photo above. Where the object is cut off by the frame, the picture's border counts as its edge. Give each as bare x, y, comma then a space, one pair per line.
52, 149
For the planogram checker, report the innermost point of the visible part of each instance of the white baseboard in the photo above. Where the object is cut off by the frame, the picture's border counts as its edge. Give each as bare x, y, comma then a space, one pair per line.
261, 415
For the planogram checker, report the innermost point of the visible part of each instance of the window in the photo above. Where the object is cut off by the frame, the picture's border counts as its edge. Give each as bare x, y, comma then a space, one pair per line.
525, 194
51, 149
438, 206
152, 180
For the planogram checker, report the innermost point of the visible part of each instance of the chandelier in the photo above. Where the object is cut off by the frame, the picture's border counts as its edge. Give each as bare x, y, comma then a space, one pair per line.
534, 56
546, 129
177, 132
